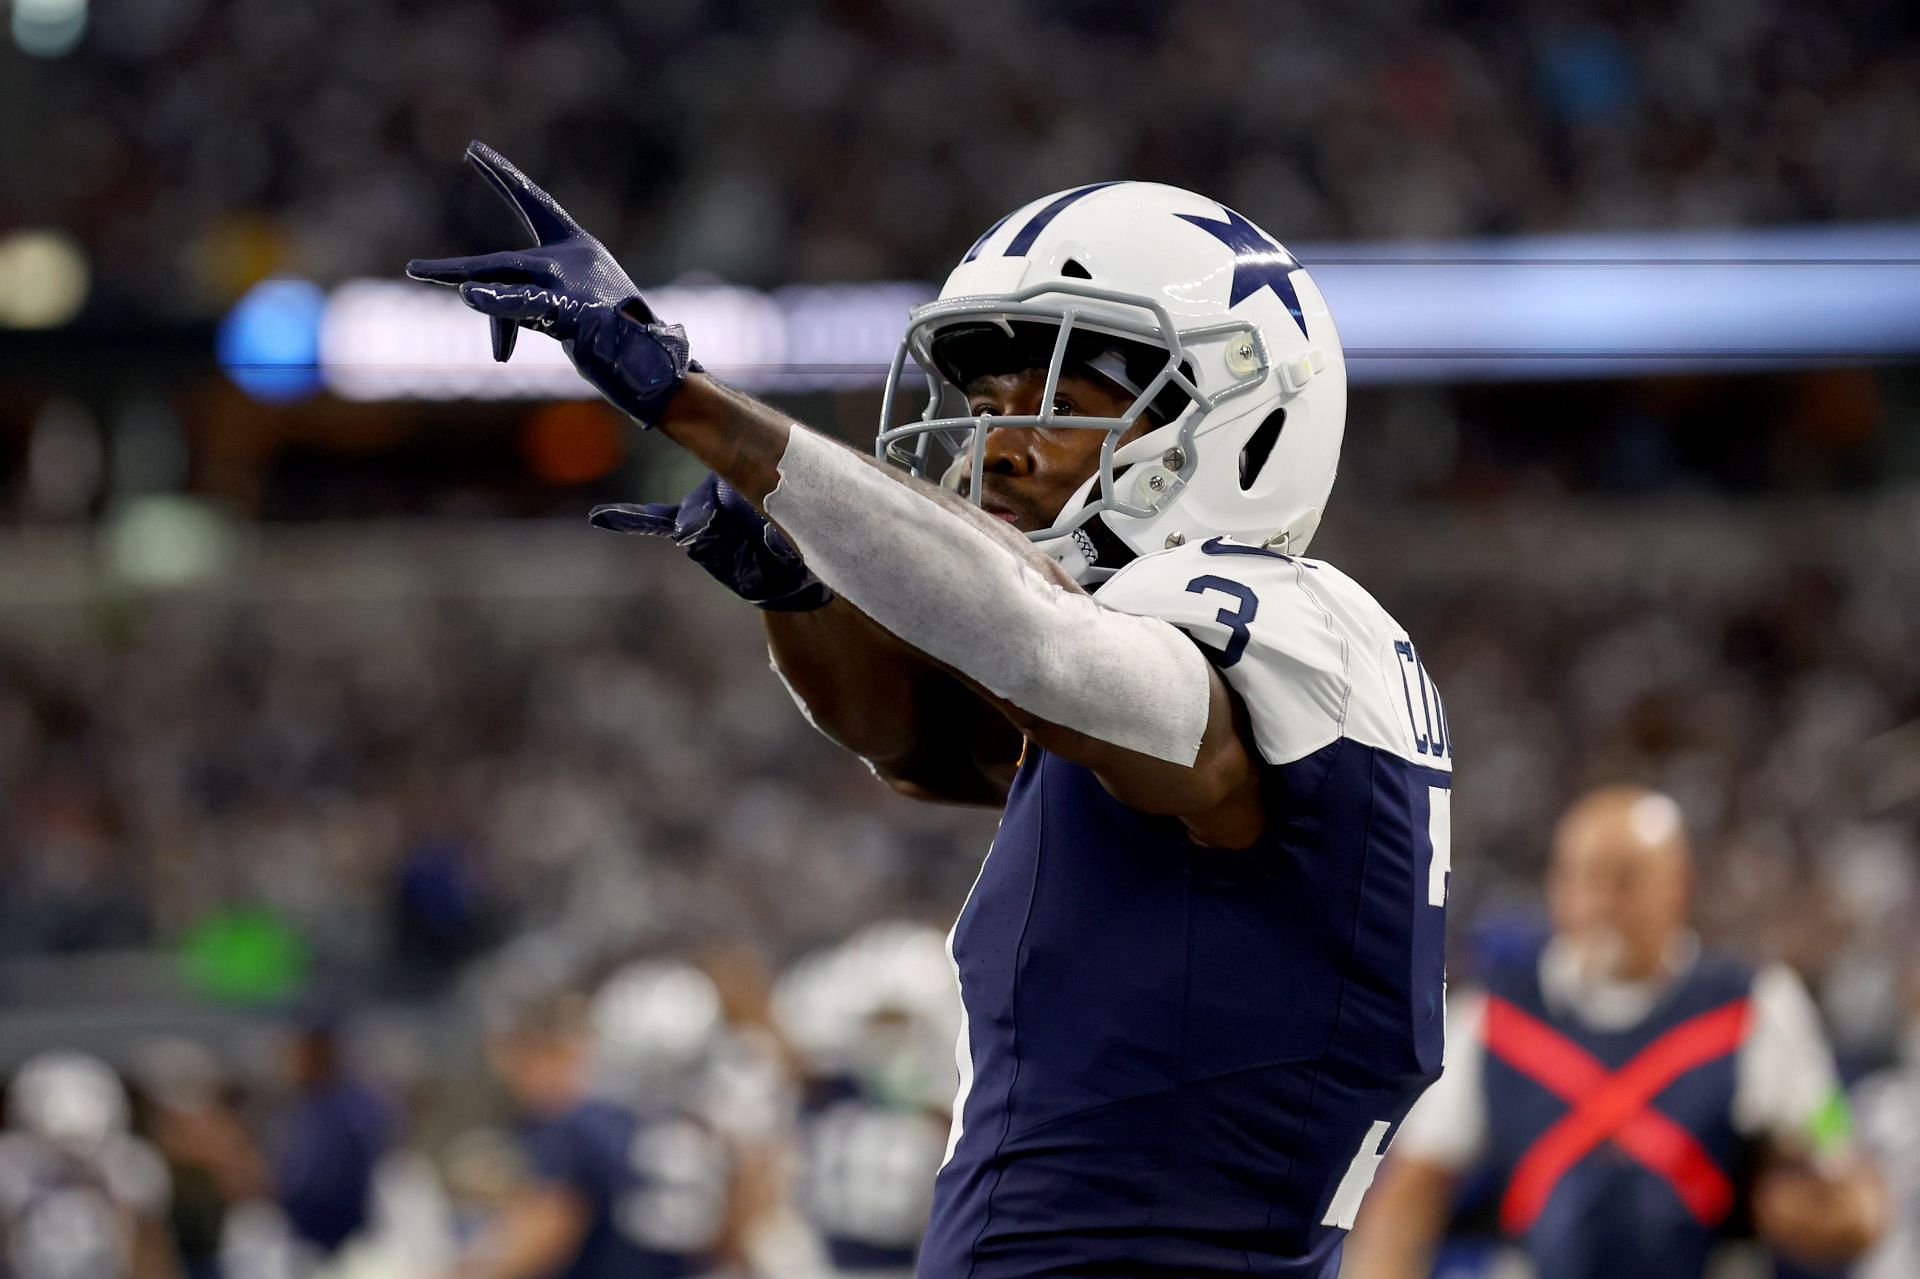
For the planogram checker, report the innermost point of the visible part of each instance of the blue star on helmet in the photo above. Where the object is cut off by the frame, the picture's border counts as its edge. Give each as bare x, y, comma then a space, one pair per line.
1258, 263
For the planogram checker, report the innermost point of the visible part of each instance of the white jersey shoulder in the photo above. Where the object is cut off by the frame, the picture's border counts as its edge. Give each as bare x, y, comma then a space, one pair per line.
1311, 654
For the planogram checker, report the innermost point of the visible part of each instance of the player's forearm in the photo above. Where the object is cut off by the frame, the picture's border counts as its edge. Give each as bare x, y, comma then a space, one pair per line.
1833, 1215
743, 441
534, 1236
972, 595
923, 731
1400, 1221
1125, 695
737, 436
154, 1255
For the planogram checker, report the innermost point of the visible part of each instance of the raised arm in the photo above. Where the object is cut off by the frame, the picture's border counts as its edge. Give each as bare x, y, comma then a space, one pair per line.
920, 729
1129, 697
924, 732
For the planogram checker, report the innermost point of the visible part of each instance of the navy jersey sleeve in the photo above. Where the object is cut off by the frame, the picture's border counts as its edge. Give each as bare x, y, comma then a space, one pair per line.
556, 1157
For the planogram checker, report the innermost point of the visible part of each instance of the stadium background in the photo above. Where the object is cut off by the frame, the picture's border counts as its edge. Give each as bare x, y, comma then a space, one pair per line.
320, 706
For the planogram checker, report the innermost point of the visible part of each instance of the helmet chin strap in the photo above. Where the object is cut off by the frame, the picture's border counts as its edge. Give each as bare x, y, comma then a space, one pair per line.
1091, 553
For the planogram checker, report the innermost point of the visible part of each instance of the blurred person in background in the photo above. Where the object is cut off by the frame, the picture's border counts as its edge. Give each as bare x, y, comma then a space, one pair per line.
213, 1160
1887, 1106
330, 1141
483, 1166
410, 1225
872, 1023
689, 1047
1632, 1095
80, 1196
606, 1191
1202, 965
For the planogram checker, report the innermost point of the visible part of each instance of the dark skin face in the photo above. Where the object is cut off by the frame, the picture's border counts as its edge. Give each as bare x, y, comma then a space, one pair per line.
1030, 472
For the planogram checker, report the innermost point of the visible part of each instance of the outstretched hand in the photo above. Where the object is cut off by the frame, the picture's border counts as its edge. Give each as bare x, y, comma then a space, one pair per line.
569, 286
721, 532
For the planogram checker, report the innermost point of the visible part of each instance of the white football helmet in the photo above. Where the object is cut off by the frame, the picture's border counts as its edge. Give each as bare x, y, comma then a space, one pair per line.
655, 1022
884, 1005
1221, 335
67, 1097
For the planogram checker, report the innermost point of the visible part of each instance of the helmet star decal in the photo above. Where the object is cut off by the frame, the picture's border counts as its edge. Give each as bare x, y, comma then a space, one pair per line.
1257, 261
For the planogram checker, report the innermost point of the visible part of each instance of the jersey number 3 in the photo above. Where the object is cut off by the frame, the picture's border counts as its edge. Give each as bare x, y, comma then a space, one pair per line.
1236, 620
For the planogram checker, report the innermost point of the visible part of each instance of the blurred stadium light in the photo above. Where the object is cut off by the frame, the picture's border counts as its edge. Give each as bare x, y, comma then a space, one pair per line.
48, 28
268, 341
43, 279
1519, 308
162, 540
1609, 305
381, 339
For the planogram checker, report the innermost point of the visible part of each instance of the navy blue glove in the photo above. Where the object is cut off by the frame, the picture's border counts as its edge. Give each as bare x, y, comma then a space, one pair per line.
722, 533
567, 285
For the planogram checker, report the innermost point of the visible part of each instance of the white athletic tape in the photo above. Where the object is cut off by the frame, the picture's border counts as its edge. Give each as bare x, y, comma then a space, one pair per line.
957, 593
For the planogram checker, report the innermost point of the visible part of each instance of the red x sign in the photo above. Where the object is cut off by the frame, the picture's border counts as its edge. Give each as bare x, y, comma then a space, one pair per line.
1614, 1106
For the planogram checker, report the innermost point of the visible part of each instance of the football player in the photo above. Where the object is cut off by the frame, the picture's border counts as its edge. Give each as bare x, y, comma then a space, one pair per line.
80, 1196
872, 1023
1629, 1097
1202, 964
1888, 1105
656, 1026
609, 1191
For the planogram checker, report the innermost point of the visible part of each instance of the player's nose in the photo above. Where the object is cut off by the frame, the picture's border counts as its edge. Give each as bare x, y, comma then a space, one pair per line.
1009, 451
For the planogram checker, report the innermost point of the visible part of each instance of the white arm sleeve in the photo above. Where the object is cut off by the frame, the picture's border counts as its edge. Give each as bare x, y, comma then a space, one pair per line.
1448, 1125
1785, 1083
955, 592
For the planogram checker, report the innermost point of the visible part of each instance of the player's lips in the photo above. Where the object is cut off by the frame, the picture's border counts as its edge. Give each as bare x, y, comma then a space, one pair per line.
1000, 512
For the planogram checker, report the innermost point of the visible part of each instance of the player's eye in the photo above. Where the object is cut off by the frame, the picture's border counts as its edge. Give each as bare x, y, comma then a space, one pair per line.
1062, 405
983, 410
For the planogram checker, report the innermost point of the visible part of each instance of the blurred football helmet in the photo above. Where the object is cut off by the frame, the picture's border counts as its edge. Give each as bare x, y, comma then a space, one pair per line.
883, 1006
1221, 336
68, 1098
655, 1022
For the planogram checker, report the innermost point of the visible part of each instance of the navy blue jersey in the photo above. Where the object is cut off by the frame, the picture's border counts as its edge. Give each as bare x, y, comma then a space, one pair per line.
1648, 1187
1186, 1062
654, 1189
865, 1168
333, 1142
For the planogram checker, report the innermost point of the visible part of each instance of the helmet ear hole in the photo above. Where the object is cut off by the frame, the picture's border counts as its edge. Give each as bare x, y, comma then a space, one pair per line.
1073, 269
1259, 447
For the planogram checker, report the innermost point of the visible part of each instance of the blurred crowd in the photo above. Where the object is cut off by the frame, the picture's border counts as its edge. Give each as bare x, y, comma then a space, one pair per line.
646, 1119
501, 857
412, 745
1746, 658
474, 767
195, 145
